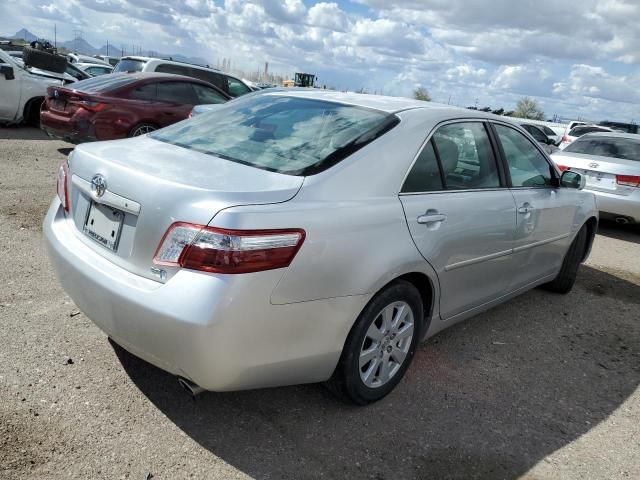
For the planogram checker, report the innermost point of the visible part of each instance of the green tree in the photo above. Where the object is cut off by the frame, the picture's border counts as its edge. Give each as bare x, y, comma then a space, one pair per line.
421, 93
528, 107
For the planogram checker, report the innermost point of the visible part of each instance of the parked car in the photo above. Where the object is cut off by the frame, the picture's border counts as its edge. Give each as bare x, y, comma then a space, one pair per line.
621, 126
227, 83
94, 69
113, 61
580, 130
79, 58
610, 163
310, 236
122, 105
539, 136
23, 88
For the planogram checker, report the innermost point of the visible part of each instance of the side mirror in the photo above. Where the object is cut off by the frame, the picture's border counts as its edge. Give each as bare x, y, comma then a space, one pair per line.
7, 71
571, 179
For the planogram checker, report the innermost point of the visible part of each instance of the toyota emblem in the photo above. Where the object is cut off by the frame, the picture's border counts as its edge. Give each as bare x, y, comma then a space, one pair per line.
98, 185
594, 165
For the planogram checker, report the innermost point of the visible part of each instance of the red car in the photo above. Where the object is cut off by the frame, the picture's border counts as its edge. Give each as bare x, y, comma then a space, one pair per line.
122, 105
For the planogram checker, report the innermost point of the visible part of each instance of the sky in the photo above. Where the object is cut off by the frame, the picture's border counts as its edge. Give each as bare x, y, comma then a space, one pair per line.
578, 59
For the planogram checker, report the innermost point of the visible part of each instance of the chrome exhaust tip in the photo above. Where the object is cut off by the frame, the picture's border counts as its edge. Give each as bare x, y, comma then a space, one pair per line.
190, 387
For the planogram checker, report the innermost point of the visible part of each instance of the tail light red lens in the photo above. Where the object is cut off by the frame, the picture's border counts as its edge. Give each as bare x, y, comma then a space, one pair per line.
92, 106
628, 180
562, 168
218, 250
564, 139
62, 185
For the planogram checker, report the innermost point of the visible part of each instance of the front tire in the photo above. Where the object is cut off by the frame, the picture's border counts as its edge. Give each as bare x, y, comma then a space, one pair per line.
566, 278
380, 346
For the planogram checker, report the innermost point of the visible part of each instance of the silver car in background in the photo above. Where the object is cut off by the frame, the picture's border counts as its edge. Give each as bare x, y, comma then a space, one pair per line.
309, 236
610, 163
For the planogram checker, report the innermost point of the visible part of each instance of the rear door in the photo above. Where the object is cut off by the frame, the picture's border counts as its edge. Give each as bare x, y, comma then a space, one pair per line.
545, 213
175, 101
461, 216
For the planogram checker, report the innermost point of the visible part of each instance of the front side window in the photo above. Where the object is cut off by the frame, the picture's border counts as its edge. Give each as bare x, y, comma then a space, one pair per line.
614, 147
290, 135
176, 92
425, 173
237, 88
527, 166
466, 156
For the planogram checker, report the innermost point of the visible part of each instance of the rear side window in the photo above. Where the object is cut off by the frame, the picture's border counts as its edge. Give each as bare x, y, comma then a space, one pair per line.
613, 147
175, 69
548, 131
536, 134
213, 78
128, 65
176, 92
527, 166
144, 92
237, 88
425, 173
290, 135
207, 95
466, 156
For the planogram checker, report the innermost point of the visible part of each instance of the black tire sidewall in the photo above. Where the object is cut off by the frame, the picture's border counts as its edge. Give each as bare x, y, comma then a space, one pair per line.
353, 384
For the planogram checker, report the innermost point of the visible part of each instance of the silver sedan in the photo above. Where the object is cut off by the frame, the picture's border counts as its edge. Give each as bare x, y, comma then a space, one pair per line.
610, 163
306, 236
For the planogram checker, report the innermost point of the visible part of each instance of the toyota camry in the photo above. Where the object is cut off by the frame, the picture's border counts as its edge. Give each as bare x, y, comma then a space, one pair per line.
308, 236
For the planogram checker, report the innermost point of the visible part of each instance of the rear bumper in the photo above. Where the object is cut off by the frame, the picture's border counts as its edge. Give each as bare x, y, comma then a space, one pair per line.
221, 332
68, 129
611, 205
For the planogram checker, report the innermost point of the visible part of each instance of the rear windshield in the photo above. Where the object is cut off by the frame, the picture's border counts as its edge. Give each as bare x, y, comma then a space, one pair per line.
103, 83
295, 136
613, 147
579, 131
129, 65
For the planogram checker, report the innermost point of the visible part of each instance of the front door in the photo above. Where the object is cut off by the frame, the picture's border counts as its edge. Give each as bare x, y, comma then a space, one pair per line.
9, 94
545, 212
461, 216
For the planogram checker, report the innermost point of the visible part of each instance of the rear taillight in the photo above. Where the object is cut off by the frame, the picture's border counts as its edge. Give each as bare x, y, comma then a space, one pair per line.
562, 168
62, 185
218, 250
565, 139
92, 106
628, 180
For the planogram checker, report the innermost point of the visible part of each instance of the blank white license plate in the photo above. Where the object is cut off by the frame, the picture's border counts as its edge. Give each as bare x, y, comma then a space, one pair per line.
104, 224
601, 180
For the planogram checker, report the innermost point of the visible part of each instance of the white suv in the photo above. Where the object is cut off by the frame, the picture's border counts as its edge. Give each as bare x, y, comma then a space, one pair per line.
227, 83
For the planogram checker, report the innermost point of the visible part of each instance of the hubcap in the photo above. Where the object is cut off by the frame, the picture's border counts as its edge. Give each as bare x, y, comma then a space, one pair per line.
142, 129
386, 344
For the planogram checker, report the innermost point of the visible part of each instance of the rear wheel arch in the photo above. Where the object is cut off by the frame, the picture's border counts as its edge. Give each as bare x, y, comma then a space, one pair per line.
592, 228
31, 111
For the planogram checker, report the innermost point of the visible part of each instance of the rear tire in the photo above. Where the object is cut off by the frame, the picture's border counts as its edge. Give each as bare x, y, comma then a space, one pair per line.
380, 345
563, 283
142, 129
32, 112
44, 60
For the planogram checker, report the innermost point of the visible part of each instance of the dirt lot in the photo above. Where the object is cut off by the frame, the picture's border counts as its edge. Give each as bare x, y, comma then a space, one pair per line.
543, 387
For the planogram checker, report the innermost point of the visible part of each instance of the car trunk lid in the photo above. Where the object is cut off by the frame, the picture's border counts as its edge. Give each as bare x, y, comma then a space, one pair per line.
154, 184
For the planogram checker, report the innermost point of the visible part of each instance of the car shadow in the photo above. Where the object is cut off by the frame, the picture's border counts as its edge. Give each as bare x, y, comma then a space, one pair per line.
628, 233
488, 398
22, 132
65, 151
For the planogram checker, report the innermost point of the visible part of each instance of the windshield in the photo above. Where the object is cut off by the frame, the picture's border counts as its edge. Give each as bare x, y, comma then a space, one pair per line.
129, 65
613, 147
295, 136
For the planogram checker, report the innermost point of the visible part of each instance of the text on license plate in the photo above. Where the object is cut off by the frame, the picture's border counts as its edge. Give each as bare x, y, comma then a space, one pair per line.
104, 224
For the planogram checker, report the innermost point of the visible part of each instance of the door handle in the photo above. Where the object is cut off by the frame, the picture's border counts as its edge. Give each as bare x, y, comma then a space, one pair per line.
432, 216
525, 208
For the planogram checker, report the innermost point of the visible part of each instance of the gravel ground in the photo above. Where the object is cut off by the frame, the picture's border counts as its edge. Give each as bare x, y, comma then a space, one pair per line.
543, 387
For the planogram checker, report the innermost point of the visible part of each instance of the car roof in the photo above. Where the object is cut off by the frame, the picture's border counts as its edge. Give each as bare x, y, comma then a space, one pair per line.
386, 103
87, 64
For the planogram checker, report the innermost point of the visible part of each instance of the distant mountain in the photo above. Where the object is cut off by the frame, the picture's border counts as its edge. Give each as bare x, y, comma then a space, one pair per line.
82, 46
25, 34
